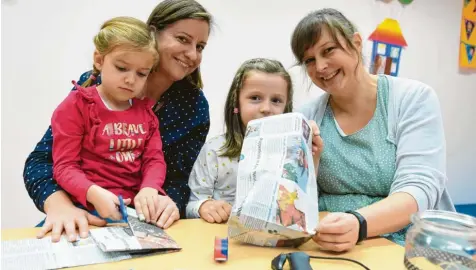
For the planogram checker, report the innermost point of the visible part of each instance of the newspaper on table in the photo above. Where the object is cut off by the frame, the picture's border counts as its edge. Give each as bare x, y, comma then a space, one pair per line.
142, 238
106, 244
276, 196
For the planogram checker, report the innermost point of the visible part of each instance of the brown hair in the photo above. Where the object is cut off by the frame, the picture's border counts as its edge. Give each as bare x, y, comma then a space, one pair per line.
235, 131
127, 32
171, 11
308, 32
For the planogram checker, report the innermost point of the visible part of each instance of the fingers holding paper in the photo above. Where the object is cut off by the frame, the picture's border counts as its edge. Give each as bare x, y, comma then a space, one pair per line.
317, 144
146, 202
337, 232
167, 212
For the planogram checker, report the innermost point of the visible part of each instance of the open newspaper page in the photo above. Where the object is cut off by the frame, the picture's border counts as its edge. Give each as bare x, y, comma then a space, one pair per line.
32, 254
112, 243
276, 197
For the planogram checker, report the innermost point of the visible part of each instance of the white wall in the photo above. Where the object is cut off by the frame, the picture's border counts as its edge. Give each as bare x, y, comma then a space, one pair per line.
46, 44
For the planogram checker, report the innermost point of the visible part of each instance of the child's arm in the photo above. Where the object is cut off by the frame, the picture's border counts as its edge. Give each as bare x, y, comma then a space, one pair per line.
202, 180
153, 162
67, 126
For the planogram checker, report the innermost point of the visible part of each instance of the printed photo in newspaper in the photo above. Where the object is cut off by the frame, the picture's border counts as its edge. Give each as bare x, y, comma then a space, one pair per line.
141, 238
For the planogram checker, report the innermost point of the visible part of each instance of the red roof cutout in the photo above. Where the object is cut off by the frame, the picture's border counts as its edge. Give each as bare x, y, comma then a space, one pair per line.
389, 32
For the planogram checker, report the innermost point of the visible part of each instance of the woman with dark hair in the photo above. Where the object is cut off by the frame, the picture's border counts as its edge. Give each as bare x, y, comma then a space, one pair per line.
385, 156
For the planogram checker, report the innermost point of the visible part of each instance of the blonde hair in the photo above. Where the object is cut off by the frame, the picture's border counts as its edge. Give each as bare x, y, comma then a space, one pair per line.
127, 32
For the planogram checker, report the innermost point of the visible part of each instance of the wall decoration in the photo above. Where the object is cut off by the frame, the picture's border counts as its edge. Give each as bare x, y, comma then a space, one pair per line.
469, 27
388, 43
467, 57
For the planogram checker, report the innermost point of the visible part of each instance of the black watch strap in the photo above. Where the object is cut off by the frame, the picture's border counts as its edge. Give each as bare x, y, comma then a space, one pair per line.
362, 227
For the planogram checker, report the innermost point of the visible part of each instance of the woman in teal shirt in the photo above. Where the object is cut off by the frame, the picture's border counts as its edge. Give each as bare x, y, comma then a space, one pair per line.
384, 155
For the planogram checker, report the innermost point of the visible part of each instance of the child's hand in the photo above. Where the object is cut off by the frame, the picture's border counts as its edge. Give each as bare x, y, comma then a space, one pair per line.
215, 211
146, 203
105, 202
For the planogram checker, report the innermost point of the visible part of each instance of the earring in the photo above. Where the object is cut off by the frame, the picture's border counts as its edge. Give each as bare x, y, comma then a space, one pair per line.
235, 110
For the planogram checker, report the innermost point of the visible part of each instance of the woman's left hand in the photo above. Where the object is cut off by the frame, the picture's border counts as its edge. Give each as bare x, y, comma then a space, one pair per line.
337, 232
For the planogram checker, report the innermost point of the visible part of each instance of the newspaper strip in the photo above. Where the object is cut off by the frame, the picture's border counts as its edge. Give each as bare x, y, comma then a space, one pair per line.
276, 197
104, 245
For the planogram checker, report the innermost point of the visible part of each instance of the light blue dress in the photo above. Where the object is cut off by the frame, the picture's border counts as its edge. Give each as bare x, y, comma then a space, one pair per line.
357, 169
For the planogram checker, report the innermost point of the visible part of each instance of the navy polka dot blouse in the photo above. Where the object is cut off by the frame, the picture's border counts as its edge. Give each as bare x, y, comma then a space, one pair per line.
184, 120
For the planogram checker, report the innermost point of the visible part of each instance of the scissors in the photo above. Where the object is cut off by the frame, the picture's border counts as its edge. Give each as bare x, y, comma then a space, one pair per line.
123, 210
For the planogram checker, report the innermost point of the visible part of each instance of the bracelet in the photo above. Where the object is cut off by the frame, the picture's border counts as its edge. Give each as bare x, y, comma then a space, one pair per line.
362, 225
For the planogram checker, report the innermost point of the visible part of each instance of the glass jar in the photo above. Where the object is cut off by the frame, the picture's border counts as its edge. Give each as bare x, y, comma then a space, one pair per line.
441, 240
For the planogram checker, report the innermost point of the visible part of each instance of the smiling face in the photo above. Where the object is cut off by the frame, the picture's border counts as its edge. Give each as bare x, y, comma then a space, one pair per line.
331, 64
330, 47
180, 47
123, 73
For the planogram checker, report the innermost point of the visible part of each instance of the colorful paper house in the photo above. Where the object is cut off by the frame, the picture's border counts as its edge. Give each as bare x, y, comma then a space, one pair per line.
388, 42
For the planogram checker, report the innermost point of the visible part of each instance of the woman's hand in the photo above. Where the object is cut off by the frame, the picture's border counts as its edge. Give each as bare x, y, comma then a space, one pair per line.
105, 202
167, 212
61, 215
337, 232
215, 211
145, 203
317, 143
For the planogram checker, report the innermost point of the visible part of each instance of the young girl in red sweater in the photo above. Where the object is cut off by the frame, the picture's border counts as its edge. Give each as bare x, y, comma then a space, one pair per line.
105, 140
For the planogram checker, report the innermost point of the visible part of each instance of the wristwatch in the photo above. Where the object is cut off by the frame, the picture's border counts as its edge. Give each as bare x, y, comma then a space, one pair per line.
362, 225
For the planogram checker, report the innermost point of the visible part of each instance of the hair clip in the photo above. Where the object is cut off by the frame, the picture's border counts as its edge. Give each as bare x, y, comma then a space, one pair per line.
235, 110
92, 77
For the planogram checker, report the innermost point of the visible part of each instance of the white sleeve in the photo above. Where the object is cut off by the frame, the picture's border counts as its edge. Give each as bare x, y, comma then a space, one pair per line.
202, 180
